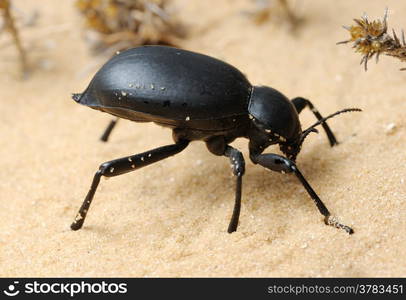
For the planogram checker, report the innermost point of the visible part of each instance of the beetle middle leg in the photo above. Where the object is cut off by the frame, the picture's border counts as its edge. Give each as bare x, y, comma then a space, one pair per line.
282, 164
301, 103
218, 146
238, 166
124, 165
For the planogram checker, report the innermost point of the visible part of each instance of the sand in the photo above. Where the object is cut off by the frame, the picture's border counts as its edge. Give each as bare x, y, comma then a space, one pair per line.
170, 219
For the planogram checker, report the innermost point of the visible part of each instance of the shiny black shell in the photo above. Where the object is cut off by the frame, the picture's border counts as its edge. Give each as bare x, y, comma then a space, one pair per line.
170, 86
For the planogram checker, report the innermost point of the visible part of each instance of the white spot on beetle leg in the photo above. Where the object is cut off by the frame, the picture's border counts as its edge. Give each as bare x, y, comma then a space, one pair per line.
142, 158
78, 217
133, 166
129, 159
111, 170
123, 93
149, 155
187, 118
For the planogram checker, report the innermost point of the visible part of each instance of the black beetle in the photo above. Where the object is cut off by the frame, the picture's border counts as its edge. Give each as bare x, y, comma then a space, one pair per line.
200, 98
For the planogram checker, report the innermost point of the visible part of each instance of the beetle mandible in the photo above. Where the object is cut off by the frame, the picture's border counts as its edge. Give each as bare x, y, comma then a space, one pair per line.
200, 98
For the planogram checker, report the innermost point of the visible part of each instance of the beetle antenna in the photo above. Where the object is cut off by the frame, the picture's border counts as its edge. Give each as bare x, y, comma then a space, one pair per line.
306, 133
312, 129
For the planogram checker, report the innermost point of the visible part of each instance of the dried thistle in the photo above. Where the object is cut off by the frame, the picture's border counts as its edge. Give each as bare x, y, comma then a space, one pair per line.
128, 23
371, 38
9, 25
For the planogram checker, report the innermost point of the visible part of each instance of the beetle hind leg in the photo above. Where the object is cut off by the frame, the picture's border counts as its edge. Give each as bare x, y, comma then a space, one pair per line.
121, 166
106, 134
300, 103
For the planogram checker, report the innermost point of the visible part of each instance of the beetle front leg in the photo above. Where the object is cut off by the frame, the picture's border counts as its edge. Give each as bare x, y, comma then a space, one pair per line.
301, 103
121, 166
282, 164
238, 166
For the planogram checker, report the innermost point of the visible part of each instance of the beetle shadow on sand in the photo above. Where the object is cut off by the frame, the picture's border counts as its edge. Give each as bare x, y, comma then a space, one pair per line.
216, 189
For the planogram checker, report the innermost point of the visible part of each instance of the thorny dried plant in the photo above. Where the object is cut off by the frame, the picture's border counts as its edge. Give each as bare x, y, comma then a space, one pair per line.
371, 38
124, 24
266, 9
9, 25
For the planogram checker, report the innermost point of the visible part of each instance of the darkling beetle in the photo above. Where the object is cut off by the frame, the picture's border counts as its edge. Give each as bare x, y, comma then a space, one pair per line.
200, 98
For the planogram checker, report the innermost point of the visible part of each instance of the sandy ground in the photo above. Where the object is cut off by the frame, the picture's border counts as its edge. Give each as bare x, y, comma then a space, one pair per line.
170, 219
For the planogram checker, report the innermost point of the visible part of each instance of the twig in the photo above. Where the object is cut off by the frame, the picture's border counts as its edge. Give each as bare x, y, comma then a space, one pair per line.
134, 22
265, 9
9, 24
291, 16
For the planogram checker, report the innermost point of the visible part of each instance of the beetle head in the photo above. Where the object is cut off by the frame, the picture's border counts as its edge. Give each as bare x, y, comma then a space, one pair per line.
292, 148
275, 115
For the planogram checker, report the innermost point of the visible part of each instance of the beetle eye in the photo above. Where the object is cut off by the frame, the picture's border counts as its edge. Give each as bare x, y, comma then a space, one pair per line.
290, 148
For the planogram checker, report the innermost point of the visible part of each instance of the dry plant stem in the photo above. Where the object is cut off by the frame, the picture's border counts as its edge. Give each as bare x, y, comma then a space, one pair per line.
10, 26
265, 11
371, 38
291, 16
129, 23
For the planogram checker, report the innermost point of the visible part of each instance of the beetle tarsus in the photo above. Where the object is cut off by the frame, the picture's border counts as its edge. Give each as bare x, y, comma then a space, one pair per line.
81, 215
232, 227
332, 221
